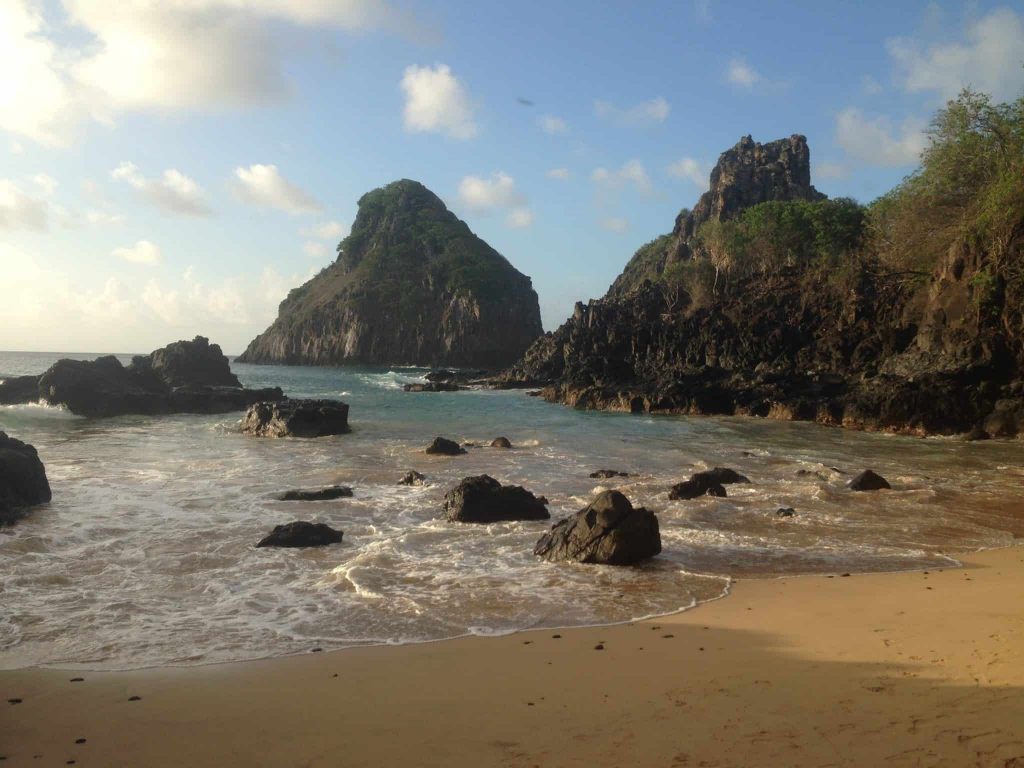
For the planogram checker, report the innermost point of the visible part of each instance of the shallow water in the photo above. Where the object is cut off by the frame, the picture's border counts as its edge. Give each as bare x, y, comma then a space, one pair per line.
145, 555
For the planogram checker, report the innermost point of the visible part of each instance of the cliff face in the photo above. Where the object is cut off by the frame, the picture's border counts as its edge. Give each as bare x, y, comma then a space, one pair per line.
411, 285
861, 347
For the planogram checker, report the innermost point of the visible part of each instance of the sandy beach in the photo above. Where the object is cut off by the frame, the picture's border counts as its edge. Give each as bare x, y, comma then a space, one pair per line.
915, 669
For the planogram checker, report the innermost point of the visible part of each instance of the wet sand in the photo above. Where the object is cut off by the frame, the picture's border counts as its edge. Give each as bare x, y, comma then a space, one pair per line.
911, 669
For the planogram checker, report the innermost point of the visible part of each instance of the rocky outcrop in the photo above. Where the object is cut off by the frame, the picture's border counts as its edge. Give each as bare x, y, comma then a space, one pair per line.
23, 482
412, 477
301, 534
483, 499
709, 483
297, 418
411, 285
609, 531
442, 446
869, 481
183, 377
317, 494
605, 474
864, 347
432, 386
501, 442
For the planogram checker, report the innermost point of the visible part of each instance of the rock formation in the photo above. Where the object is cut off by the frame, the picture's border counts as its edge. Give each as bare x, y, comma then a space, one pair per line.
483, 499
709, 483
317, 494
609, 531
23, 482
297, 418
301, 534
442, 446
411, 285
183, 377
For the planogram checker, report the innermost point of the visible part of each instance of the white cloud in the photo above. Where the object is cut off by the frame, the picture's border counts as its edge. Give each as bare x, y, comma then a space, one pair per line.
20, 210
173, 192
143, 252
47, 184
97, 217
498, 192
741, 74
876, 141
830, 171
688, 168
553, 126
437, 102
329, 230
96, 58
632, 173
315, 250
615, 224
654, 111
989, 59
561, 174
263, 185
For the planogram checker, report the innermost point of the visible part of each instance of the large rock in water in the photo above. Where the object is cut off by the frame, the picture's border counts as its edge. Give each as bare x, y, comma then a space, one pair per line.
610, 531
191, 363
297, 418
23, 480
707, 483
301, 534
411, 284
483, 499
19, 389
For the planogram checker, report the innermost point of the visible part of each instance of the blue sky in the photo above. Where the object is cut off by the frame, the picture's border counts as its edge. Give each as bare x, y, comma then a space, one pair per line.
168, 169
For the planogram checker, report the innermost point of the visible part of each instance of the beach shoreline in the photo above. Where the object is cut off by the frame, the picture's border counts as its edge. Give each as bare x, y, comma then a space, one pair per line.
907, 668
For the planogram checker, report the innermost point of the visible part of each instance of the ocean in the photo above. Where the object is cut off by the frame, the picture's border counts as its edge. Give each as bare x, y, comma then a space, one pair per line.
145, 556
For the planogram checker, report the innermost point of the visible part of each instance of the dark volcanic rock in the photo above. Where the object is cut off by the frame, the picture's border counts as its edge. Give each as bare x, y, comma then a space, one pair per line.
297, 418
604, 474
501, 442
190, 363
868, 481
707, 483
19, 389
483, 499
411, 285
432, 386
785, 512
412, 477
317, 494
301, 534
610, 531
23, 480
442, 446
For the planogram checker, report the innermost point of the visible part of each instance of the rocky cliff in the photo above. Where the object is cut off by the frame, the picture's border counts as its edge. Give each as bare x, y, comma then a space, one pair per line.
411, 285
842, 339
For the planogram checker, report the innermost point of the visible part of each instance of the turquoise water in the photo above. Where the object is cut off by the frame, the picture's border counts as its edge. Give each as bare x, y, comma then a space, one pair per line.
145, 555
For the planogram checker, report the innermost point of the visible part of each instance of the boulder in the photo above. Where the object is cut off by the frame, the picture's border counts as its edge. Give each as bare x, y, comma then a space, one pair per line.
785, 512
977, 434
442, 446
317, 494
297, 418
19, 389
432, 386
101, 387
196, 362
605, 474
868, 481
483, 499
301, 534
708, 483
23, 480
609, 531
501, 442
412, 477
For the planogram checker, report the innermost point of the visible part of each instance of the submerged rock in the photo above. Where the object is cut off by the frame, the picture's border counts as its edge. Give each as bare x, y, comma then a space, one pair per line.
297, 418
609, 531
483, 499
501, 442
317, 494
868, 481
442, 446
301, 534
432, 386
23, 482
785, 512
708, 483
412, 477
605, 474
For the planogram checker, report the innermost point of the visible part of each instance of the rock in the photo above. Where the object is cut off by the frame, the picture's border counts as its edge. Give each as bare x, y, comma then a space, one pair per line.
442, 446
483, 499
411, 285
868, 481
609, 531
709, 483
412, 477
301, 534
19, 389
785, 512
501, 442
1006, 418
605, 474
23, 482
977, 434
297, 418
432, 386
317, 494
191, 363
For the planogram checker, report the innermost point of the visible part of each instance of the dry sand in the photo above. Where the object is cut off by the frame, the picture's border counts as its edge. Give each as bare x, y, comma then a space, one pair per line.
908, 669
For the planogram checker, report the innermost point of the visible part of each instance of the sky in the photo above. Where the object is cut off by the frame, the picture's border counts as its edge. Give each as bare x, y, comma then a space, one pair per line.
174, 167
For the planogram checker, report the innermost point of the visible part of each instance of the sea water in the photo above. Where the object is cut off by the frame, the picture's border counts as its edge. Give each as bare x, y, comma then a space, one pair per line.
145, 556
